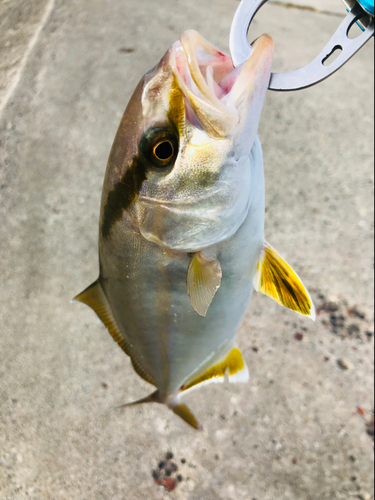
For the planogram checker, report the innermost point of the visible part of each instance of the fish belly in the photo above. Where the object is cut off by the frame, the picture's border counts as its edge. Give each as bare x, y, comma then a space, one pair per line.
146, 289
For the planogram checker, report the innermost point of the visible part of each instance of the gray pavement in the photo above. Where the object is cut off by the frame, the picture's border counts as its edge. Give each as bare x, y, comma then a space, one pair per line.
20, 26
299, 430
326, 6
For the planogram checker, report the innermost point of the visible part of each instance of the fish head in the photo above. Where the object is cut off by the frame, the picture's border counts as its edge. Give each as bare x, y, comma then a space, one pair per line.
179, 169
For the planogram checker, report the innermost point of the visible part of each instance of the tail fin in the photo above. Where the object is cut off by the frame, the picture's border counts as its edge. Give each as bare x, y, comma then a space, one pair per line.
175, 405
183, 412
152, 398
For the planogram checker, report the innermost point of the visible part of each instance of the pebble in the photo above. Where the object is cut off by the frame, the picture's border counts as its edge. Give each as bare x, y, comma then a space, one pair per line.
365, 496
353, 330
169, 484
345, 364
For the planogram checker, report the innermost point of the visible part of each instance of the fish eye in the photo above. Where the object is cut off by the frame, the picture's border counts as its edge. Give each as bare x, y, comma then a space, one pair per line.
164, 150
159, 147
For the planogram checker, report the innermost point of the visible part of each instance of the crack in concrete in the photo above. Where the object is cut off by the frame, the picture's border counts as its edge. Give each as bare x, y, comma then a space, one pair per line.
25, 58
291, 5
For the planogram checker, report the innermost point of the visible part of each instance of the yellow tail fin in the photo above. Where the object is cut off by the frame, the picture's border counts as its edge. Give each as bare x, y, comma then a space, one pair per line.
174, 404
183, 412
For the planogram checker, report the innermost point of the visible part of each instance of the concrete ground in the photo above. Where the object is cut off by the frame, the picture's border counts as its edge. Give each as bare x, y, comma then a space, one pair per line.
301, 429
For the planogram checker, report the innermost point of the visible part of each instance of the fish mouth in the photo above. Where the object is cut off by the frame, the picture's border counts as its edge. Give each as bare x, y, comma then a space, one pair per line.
218, 97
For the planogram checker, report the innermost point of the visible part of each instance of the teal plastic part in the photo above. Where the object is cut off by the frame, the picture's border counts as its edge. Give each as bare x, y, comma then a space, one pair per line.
367, 5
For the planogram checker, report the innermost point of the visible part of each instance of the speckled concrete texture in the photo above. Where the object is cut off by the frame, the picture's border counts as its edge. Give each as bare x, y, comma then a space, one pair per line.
20, 26
300, 430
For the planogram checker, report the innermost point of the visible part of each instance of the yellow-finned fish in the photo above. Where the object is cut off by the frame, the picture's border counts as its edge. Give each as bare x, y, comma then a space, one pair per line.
181, 242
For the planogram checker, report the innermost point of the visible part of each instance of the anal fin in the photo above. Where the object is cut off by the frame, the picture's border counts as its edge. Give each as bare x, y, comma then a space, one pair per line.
94, 297
203, 280
276, 279
232, 365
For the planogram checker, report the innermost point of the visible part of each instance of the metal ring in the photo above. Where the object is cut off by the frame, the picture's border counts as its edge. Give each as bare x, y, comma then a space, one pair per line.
314, 72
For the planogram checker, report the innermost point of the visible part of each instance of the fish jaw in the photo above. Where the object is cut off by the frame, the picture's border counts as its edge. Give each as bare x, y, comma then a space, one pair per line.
249, 91
199, 67
221, 98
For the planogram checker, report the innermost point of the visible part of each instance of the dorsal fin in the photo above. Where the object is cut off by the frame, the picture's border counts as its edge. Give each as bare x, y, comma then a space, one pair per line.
276, 279
203, 280
95, 298
231, 365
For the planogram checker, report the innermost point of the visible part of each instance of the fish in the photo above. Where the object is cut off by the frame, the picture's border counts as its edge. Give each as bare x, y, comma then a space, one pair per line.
181, 232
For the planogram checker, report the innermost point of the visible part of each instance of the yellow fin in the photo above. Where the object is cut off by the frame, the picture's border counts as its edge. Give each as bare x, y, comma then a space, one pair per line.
175, 405
203, 280
183, 412
95, 298
277, 279
232, 365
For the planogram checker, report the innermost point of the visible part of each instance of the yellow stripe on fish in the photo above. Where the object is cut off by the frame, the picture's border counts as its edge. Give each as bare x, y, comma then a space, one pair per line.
176, 111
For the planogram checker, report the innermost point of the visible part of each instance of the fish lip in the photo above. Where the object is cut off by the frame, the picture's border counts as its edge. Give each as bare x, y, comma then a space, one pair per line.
217, 96
197, 60
203, 107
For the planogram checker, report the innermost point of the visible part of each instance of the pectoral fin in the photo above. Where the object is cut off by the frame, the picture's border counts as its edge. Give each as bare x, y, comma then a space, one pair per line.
277, 279
95, 298
203, 279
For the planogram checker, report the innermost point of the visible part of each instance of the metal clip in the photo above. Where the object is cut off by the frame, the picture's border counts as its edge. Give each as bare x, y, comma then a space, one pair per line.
316, 71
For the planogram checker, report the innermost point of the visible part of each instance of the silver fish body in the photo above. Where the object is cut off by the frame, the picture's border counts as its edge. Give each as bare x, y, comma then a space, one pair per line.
181, 240
171, 340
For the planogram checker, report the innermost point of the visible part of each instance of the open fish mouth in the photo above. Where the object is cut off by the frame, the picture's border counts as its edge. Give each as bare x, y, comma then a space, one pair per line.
205, 197
217, 95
